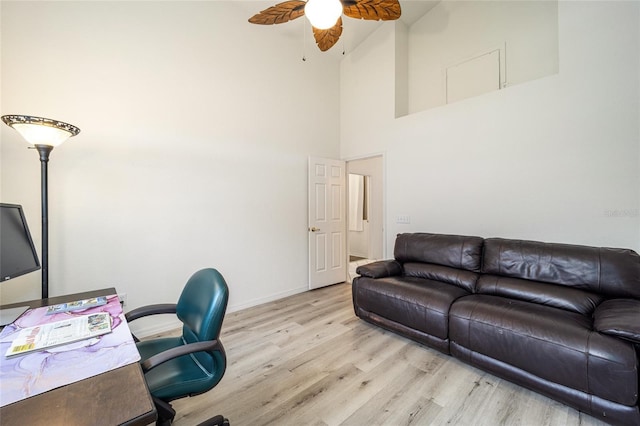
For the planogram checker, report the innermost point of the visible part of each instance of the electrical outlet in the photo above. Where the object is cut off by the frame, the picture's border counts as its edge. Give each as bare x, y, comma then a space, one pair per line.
122, 297
403, 218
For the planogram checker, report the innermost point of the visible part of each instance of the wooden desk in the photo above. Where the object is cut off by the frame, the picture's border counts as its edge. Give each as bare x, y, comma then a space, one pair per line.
116, 397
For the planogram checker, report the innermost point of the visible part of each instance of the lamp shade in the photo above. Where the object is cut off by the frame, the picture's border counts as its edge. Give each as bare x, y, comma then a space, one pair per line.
41, 131
323, 14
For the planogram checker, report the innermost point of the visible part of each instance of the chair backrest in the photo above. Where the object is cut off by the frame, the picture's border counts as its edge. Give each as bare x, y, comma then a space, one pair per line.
201, 309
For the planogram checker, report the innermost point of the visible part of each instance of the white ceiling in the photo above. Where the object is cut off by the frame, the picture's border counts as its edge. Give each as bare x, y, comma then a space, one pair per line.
354, 30
412, 10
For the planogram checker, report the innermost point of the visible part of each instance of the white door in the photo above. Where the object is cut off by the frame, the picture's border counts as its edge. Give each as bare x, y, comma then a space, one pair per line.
327, 222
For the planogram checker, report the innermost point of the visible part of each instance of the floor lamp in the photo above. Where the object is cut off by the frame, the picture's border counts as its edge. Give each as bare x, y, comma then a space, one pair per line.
44, 134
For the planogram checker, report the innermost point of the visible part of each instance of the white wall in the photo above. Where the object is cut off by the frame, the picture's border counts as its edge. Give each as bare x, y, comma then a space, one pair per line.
549, 160
196, 128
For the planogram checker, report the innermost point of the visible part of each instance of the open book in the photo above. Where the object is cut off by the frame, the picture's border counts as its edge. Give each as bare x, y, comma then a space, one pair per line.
60, 332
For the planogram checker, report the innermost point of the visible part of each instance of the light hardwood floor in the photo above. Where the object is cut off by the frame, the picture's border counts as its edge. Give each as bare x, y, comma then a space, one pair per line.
308, 360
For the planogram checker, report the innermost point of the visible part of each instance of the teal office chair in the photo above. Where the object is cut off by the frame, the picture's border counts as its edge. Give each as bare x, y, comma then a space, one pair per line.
191, 364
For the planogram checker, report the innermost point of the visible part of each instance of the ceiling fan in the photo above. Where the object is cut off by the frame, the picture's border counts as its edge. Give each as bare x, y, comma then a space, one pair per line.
326, 15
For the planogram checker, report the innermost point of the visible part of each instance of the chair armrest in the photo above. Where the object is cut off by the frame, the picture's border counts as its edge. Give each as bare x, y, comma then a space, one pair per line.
620, 318
187, 349
380, 269
143, 311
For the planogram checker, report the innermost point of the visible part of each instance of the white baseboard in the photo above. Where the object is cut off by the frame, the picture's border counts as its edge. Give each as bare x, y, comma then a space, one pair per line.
262, 300
169, 324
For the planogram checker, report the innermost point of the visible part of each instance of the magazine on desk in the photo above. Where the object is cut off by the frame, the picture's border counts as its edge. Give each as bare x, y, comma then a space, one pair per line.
59, 333
77, 305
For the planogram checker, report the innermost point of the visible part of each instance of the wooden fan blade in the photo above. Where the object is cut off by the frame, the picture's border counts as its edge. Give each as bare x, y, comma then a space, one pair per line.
280, 13
374, 10
325, 39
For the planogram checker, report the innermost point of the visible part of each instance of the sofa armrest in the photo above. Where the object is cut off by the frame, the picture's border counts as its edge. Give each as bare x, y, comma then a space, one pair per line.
380, 269
620, 318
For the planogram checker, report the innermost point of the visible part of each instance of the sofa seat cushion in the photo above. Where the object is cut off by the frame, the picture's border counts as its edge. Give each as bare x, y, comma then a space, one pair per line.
417, 303
553, 344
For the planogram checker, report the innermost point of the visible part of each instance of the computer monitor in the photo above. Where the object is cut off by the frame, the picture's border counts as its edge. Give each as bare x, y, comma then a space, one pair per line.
18, 255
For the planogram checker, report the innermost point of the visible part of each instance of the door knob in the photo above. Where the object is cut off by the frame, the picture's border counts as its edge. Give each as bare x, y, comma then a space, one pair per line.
314, 229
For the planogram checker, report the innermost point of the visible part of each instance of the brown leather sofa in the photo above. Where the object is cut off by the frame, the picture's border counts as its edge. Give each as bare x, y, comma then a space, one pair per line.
562, 320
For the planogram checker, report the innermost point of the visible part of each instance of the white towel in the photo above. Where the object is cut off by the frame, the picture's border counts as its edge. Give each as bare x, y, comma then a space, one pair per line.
356, 202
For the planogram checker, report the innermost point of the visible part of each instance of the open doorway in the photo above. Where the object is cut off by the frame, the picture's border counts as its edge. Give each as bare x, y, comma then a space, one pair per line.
365, 237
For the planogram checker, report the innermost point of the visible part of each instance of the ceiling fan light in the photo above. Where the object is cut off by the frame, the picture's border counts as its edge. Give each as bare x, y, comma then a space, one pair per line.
323, 14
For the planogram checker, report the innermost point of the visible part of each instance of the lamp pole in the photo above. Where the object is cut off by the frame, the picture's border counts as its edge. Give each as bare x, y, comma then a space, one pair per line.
44, 151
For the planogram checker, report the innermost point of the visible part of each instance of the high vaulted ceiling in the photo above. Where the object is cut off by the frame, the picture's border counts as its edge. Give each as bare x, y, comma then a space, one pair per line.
354, 30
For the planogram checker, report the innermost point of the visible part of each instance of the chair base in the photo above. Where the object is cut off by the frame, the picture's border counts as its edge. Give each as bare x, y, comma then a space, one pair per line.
166, 414
215, 421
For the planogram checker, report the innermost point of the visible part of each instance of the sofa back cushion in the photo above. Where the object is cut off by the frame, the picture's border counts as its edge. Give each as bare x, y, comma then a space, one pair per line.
455, 251
557, 296
607, 271
458, 277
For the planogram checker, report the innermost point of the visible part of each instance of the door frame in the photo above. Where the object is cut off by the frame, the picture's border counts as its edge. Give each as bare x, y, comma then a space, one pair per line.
383, 208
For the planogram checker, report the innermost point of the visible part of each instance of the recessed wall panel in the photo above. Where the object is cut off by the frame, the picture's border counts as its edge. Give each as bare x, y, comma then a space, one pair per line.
337, 256
321, 202
321, 252
473, 77
336, 202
